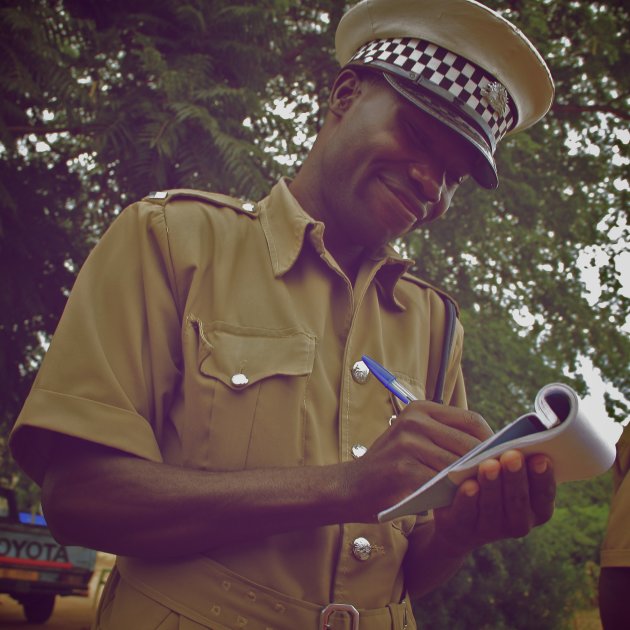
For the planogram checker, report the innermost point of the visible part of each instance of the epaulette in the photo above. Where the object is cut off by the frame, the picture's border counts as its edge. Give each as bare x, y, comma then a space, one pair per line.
427, 285
216, 199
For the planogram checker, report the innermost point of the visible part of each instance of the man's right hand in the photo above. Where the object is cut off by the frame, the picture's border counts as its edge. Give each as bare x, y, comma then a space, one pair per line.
424, 439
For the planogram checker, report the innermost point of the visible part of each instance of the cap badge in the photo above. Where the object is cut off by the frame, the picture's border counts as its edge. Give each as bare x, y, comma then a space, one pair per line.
497, 96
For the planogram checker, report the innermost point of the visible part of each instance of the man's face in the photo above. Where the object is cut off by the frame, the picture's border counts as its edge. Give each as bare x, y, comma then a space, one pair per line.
388, 166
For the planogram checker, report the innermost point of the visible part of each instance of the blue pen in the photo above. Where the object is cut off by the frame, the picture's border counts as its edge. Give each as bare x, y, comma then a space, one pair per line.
389, 380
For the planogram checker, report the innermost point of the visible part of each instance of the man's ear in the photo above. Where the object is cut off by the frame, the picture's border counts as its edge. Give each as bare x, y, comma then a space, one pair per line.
344, 92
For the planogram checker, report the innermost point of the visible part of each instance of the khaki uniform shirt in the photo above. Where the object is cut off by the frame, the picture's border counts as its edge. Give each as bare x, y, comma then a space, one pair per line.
220, 336
616, 547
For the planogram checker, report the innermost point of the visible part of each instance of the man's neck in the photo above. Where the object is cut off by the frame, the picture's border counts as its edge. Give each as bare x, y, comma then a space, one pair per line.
347, 255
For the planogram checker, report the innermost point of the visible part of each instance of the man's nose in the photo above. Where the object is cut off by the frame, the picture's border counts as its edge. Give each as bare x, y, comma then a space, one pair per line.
431, 179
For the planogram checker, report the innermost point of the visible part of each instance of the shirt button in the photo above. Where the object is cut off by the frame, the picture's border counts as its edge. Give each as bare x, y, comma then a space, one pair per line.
358, 450
248, 207
360, 372
361, 549
239, 380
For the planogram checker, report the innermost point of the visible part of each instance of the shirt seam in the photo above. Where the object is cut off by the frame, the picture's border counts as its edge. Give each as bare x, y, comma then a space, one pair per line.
171, 263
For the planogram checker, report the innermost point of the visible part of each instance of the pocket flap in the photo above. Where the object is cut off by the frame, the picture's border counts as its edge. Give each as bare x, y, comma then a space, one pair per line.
241, 356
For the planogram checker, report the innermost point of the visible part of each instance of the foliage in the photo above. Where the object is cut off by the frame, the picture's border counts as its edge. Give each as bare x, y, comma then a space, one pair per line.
516, 251
534, 583
101, 102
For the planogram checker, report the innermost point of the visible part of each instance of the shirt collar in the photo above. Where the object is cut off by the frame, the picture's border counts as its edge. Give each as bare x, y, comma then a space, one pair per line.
285, 225
391, 268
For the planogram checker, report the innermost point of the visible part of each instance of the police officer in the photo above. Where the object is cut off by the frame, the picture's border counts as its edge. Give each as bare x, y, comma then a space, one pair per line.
614, 577
203, 412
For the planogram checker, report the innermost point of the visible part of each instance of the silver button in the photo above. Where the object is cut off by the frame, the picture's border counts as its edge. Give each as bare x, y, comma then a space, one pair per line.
358, 450
360, 372
240, 380
362, 549
249, 207
160, 194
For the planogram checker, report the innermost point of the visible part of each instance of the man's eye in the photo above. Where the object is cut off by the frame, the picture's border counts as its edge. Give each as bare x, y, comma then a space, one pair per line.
418, 138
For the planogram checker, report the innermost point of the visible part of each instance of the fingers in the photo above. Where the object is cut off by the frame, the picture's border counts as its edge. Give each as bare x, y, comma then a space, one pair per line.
508, 498
463, 420
516, 495
450, 428
505, 506
490, 521
501, 508
464, 509
425, 438
457, 523
542, 488
416, 442
453, 441
400, 461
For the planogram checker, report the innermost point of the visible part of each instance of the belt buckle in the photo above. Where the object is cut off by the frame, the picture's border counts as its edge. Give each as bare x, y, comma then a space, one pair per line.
332, 608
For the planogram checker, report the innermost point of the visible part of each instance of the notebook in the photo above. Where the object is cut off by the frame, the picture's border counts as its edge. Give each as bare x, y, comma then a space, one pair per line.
579, 446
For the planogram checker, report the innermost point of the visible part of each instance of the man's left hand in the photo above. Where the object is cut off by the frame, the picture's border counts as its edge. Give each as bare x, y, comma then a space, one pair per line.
508, 498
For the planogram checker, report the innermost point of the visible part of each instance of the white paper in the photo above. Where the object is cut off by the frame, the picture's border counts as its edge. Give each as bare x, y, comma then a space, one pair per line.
580, 447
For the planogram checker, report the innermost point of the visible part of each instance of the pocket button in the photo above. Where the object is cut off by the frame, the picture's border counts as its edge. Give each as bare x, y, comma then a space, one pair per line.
239, 380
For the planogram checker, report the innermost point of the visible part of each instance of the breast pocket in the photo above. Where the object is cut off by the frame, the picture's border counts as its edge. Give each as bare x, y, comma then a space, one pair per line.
410, 384
251, 388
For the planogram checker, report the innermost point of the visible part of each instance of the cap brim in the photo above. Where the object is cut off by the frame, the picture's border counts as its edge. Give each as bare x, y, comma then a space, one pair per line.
485, 168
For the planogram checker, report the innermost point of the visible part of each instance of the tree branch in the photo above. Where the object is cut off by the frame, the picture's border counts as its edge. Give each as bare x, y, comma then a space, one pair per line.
580, 109
45, 129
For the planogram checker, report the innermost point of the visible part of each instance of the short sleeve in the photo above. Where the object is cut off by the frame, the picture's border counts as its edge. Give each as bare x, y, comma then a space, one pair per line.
109, 373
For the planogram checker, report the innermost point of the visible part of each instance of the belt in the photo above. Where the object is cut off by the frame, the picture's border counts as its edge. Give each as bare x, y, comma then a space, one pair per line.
212, 595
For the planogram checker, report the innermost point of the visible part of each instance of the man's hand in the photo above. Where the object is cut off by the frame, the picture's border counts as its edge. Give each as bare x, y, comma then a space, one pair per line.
508, 498
425, 438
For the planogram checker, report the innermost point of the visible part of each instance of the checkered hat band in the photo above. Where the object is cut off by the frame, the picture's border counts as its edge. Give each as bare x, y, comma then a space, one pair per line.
447, 114
424, 61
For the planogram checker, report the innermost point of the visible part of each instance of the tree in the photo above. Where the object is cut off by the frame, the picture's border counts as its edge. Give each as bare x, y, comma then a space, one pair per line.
101, 102
533, 583
516, 250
